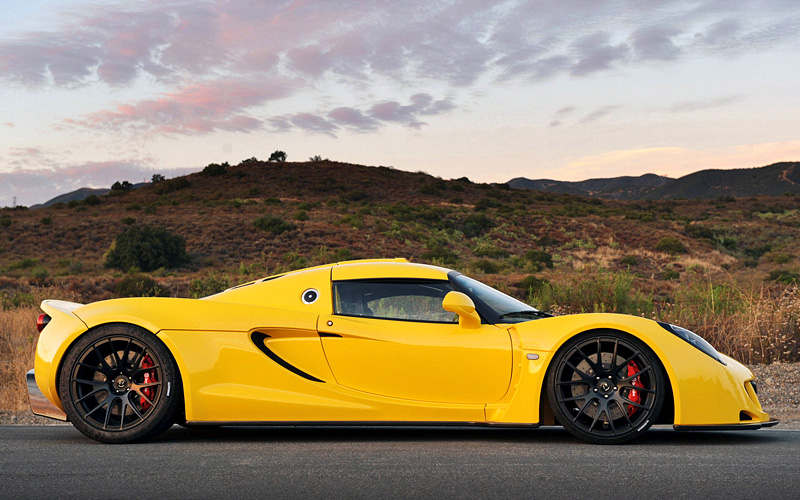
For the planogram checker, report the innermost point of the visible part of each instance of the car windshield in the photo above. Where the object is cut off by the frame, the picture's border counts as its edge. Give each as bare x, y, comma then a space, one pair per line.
506, 307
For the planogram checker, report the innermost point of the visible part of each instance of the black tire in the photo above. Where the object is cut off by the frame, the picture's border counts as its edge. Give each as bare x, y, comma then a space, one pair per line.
119, 384
611, 401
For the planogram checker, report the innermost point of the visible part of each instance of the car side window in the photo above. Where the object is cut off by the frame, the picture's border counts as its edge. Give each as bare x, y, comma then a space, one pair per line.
407, 301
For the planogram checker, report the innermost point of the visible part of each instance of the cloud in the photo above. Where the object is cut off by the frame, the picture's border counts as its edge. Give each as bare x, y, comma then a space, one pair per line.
655, 43
720, 102
373, 118
196, 109
596, 53
9, 124
561, 114
599, 113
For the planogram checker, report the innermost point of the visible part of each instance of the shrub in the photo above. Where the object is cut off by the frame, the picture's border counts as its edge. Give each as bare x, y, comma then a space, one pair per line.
91, 201
203, 287
490, 251
486, 266
670, 245
532, 284
539, 257
121, 187
301, 215
138, 285
475, 225
272, 201
215, 169
5, 221
629, 260
128, 221
278, 156
274, 225
593, 291
670, 274
157, 178
46, 221
147, 248
783, 276
172, 185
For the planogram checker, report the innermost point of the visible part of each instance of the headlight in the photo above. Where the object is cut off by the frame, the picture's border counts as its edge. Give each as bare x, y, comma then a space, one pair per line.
694, 339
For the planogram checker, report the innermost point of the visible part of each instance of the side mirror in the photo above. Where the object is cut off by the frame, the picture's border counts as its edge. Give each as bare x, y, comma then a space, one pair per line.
461, 304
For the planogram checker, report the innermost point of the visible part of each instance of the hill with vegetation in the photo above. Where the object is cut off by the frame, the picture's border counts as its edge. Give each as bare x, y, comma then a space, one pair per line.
771, 180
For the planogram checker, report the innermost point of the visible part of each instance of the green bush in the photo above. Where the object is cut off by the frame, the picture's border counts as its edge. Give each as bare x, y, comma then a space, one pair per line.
593, 291
531, 284
475, 225
272, 201
629, 260
670, 274
171, 185
46, 221
670, 245
274, 225
301, 215
91, 201
203, 287
486, 266
138, 285
490, 251
539, 257
5, 221
147, 248
784, 276
215, 169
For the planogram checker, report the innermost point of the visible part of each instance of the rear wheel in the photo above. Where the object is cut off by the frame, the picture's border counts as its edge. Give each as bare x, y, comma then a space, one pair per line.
119, 383
606, 387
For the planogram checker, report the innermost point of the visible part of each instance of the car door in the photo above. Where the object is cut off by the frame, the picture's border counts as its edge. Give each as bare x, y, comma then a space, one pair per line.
392, 338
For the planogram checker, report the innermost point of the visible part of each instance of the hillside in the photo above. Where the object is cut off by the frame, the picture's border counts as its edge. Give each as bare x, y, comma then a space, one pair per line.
701, 264
771, 180
77, 195
615, 188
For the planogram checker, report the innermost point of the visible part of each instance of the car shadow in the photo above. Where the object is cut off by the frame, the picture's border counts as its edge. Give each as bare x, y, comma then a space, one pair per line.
656, 436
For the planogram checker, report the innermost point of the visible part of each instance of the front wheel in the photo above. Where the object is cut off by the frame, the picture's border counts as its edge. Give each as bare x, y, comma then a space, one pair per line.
119, 384
606, 387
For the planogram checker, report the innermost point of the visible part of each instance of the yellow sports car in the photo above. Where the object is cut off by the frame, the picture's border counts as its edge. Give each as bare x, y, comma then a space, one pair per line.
376, 342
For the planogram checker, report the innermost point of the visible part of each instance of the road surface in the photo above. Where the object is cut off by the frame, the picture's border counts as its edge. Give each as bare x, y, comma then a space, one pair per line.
432, 462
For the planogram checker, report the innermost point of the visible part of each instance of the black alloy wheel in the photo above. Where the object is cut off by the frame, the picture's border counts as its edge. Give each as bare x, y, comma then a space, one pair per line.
606, 387
118, 383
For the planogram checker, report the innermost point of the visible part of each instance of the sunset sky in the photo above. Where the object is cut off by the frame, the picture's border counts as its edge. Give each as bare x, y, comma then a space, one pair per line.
94, 92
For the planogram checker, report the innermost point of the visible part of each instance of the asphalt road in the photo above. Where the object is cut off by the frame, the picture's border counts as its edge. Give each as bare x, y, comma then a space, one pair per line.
433, 462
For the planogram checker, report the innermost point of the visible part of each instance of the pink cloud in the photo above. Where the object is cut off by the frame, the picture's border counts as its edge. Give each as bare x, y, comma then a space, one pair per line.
200, 108
9, 124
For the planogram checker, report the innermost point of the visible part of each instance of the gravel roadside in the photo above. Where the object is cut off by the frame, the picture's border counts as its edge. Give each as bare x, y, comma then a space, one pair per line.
778, 391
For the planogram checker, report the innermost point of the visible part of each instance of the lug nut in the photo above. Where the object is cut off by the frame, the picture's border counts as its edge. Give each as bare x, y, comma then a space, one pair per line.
606, 396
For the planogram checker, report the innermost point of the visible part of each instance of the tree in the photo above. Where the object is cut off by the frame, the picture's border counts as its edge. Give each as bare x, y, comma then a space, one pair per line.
121, 186
147, 248
315, 158
278, 156
157, 178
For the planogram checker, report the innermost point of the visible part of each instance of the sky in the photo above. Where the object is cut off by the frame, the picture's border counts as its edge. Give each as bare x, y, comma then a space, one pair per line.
95, 92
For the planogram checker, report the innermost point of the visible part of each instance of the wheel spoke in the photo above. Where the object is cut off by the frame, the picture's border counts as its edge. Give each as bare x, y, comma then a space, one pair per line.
614, 355
610, 418
140, 393
624, 412
580, 412
125, 354
84, 398
103, 363
108, 413
573, 382
93, 383
631, 377
595, 419
105, 401
631, 403
124, 403
619, 366
576, 398
588, 360
114, 354
139, 371
581, 374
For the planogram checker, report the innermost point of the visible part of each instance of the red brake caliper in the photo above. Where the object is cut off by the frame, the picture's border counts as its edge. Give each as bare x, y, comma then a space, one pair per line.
634, 395
149, 377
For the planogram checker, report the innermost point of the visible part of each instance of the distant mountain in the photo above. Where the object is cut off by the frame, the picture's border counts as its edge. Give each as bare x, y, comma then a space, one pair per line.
77, 195
617, 188
771, 180
80, 194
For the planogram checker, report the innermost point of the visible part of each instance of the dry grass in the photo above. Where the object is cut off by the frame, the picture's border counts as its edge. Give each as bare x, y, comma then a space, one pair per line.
18, 338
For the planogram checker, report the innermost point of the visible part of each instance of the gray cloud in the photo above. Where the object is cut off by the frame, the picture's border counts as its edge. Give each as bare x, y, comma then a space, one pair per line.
688, 106
599, 113
655, 43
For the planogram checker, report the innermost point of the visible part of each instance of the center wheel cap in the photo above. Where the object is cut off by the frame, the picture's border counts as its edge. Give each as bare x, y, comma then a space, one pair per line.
121, 383
605, 386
